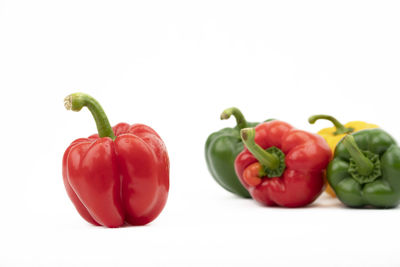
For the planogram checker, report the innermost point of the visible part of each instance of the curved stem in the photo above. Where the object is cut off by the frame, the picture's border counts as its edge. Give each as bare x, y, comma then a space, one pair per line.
240, 120
364, 165
265, 158
340, 129
77, 101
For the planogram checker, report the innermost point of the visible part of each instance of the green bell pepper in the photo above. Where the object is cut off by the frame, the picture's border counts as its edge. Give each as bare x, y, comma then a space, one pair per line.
221, 150
365, 170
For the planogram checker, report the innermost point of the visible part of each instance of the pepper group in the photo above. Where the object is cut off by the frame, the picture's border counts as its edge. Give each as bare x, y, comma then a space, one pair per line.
278, 165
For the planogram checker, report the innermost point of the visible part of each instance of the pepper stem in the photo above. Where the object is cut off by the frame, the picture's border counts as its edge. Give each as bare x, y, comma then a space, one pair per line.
240, 120
340, 129
265, 158
364, 165
77, 101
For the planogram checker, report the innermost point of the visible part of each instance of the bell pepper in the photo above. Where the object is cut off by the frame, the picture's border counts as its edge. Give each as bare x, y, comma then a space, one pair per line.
365, 170
118, 176
282, 165
333, 135
221, 149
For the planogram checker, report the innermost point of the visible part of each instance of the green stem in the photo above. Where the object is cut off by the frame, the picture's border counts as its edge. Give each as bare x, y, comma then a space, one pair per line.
77, 101
240, 120
364, 165
340, 129
265, 158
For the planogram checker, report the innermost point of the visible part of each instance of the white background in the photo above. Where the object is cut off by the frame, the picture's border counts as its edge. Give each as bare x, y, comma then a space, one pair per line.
175, 65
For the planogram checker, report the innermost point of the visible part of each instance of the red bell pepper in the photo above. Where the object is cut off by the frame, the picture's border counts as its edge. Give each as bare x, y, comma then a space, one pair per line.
282, 165
119, 175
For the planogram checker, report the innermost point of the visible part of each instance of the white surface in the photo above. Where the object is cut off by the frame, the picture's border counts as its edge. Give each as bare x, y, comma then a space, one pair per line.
175, 65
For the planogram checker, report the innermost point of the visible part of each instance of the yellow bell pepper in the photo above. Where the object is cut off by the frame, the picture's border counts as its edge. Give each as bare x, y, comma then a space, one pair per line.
333, 135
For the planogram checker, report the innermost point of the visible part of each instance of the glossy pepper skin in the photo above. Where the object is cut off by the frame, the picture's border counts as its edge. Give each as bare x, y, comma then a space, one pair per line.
221, 149
282, 165
334, 134
118, 176
365, 170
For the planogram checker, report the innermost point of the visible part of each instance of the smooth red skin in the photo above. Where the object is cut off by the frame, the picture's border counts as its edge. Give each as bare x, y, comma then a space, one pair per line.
113, 182
307, 156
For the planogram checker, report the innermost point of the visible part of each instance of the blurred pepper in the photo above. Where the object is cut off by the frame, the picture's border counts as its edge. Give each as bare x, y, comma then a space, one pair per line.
333, 135
365, 170
221, 149
282, 165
